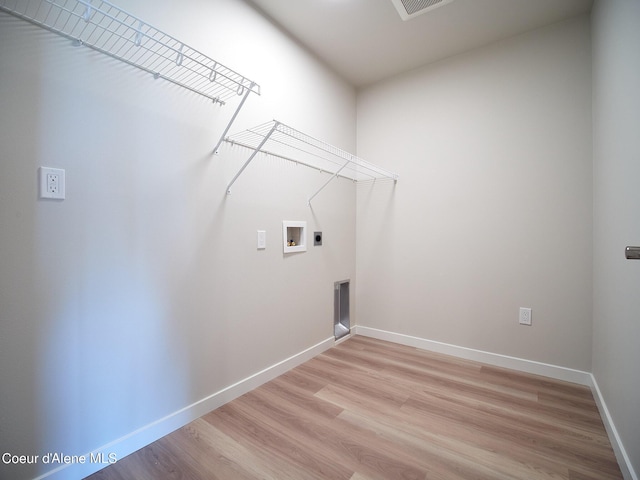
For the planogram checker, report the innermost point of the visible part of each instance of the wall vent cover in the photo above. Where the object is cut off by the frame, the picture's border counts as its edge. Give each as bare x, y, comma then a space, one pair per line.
412, 8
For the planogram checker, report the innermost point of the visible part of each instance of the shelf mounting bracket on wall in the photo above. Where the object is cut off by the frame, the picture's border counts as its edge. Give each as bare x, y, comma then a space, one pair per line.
279, 140
105, 28
252, 156
247, 91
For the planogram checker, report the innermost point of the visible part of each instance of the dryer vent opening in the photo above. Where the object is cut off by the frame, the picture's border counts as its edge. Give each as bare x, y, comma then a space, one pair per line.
341, 322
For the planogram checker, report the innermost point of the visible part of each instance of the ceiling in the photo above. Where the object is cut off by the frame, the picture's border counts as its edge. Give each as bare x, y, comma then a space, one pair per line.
365, 41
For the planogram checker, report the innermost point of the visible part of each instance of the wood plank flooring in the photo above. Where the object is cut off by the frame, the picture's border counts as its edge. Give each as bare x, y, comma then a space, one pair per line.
368, 409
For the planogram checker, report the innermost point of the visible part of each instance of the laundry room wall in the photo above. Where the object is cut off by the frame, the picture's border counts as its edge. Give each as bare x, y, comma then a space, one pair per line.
493, 209
129, 306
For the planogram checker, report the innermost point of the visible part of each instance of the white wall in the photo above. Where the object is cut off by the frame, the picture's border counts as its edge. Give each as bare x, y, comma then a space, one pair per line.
143, 291
493, 208
616, 311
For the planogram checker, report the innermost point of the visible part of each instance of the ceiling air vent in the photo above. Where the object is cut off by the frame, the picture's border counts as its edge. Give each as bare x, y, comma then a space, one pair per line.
412, 8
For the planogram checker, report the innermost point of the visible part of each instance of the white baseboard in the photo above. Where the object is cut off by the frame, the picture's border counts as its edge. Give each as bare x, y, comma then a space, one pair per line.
522, 365
161, 427
616, 443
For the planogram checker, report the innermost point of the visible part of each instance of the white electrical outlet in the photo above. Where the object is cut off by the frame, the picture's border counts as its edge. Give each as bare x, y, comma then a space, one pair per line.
52, 183
525, 316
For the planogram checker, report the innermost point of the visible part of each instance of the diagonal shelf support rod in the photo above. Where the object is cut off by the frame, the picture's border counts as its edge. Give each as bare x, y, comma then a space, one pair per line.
251, 157
247, 91
328, 181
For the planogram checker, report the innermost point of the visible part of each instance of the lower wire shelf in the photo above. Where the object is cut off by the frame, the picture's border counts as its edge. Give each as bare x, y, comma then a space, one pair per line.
279, 140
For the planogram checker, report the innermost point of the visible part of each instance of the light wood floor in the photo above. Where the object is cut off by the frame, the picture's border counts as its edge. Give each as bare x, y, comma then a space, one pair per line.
368, 409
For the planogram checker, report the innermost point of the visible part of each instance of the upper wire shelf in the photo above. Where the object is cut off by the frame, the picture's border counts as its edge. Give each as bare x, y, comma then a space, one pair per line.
277, 139
106, 28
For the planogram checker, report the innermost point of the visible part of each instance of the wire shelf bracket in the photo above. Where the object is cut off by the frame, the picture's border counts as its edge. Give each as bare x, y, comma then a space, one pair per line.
105, 28
279, 140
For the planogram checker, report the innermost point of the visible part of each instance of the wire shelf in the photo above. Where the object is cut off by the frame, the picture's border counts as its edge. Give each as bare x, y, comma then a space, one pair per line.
279, 140
106, 28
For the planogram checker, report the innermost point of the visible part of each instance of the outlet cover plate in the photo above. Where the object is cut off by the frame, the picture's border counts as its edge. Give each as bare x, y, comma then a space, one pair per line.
525, 316
51, 183
262, 239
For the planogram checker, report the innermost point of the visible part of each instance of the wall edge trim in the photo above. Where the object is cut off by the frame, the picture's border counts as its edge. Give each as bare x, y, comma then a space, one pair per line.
137, 439
153, 431
495, 359
616, 442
